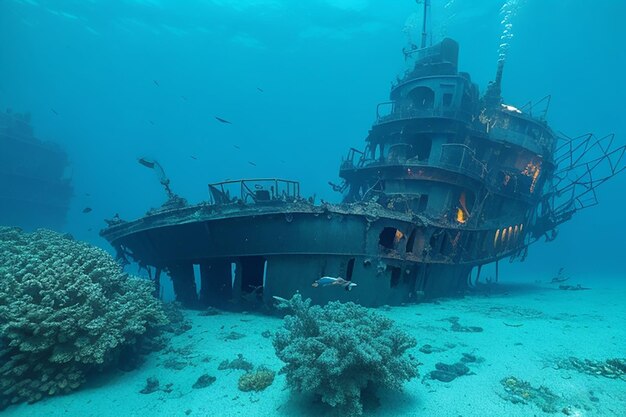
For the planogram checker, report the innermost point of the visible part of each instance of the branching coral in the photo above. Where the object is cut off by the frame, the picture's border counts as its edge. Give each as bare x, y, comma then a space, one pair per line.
257, 380
66, 308
340, 350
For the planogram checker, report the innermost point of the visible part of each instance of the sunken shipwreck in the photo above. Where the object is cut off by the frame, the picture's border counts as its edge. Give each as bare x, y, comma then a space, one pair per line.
35, 182
448, 180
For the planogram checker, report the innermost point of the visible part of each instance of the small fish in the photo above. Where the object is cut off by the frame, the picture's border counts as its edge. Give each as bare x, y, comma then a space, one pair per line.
219, 119
184, 98
281, 299
151, 122
54, 111
236, 146
332, 281
90, 229
193, 157
260, 90
87, 195
156, 83
146, 162
87, 210
252, 163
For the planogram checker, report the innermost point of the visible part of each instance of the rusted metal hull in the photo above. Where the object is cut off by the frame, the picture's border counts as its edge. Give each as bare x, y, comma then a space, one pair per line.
447, 180
282, 248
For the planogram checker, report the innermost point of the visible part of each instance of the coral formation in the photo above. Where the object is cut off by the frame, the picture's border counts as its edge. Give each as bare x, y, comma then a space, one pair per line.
257, 380
175, 364
428, 349
240, 363
448, 373
455, 326
234, 336
152, 385
204, 381
176, 321
339, 350
66, 308
521, 392
610, 368
209, 311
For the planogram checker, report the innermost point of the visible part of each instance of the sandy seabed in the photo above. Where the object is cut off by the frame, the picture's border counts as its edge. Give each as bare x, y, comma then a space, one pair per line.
527, 330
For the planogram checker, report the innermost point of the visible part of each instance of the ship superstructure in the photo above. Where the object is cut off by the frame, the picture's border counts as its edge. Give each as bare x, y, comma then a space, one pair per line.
447, 182
35, 188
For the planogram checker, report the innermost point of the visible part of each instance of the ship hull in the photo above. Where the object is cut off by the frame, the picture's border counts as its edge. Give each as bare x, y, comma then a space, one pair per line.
247, 255
35, 191
30, 203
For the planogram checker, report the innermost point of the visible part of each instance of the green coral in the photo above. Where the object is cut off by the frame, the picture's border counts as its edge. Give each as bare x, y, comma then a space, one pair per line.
257, 380
66, 308
339, 351
610, 368
519, 391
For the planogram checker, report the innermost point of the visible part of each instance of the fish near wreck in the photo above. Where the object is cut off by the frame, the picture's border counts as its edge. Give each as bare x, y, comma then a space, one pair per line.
330, 281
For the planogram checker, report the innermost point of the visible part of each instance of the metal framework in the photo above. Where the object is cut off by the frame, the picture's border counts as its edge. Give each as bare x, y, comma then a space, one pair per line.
584, 163
253, 191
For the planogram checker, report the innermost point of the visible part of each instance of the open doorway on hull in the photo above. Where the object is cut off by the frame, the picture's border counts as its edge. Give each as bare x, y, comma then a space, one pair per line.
253, 270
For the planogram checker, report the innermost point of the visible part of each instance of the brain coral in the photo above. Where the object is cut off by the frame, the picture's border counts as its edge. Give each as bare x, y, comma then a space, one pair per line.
66, 308
341, 351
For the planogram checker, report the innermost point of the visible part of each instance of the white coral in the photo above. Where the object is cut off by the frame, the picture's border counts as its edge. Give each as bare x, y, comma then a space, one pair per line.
65, 307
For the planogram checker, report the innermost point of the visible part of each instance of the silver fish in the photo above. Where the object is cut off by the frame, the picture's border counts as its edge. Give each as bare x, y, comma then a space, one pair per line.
328, 281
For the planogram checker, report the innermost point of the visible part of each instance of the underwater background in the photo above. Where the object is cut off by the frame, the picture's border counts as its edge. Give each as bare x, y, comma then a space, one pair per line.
116, 80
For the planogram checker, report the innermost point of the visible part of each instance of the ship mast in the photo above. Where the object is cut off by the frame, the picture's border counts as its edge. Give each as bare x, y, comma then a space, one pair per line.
424, 28
493, 95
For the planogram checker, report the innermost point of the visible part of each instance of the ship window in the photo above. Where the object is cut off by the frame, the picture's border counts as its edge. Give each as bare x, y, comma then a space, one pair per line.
447, 99
350, 269
423, 203
197, 278
495, 239
468, 241
422, 148
411, 242
447, 246
433, 242
395, 276
422, 97
389, 237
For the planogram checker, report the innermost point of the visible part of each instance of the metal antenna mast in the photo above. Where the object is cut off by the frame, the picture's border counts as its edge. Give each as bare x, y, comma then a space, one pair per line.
424, 28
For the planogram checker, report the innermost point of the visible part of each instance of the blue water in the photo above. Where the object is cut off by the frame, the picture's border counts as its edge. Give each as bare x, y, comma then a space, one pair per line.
115, 80
322, 65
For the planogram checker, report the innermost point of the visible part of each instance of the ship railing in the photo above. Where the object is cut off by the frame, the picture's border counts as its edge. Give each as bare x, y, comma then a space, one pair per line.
389, 112
16, 125
461, 158
349, 162
512, 184
252, 191
456, 157
530, 107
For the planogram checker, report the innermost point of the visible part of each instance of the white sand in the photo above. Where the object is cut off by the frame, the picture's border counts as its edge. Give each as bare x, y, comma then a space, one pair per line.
555, 324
